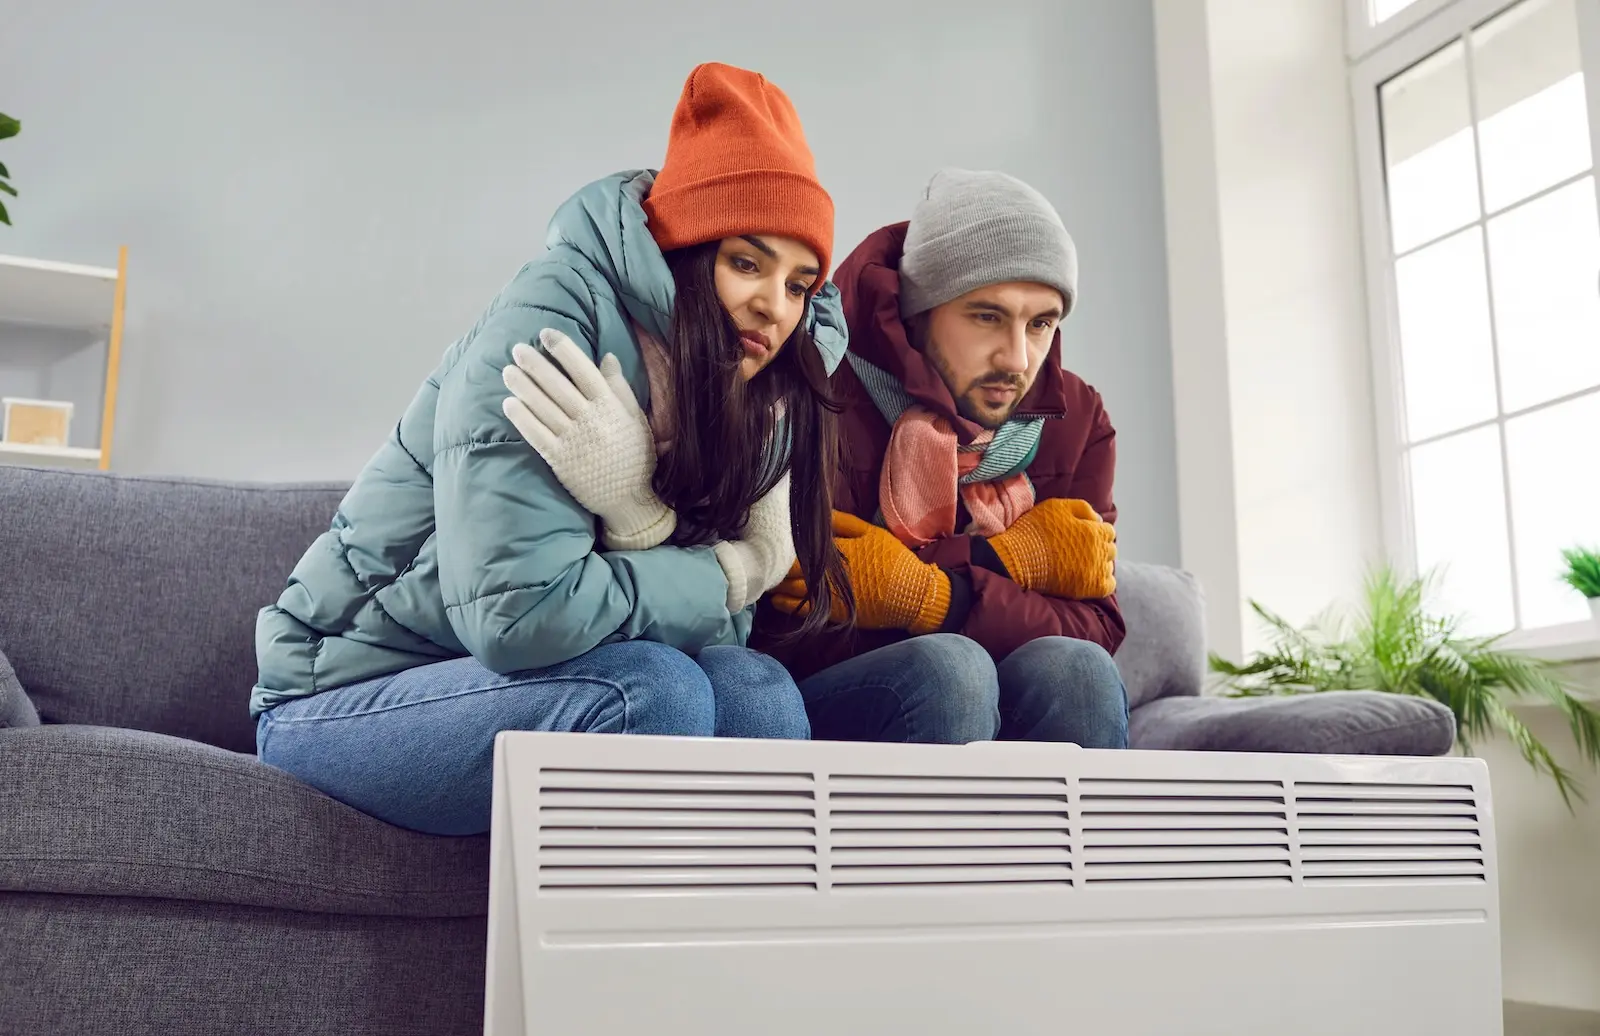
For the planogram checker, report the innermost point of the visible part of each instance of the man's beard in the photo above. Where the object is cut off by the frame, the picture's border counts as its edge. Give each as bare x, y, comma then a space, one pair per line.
967, 403
970, 407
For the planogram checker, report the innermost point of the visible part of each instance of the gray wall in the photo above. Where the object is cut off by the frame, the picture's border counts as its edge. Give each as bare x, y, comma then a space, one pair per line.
318, 197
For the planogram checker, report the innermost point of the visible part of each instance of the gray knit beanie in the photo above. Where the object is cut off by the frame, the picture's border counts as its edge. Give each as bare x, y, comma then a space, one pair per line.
972, 229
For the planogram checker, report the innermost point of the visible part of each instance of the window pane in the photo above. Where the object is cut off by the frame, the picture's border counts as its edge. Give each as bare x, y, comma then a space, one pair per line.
1383, 10
1544, 261
1427, 149
1458, 505
1555, 503
1533, 122
1446, 358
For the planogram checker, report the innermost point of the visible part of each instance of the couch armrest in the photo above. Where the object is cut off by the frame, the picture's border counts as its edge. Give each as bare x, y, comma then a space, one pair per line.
1329, 723
1164, 652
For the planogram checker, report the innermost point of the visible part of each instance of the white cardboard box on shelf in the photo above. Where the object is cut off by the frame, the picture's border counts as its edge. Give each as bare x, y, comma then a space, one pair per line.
36, 422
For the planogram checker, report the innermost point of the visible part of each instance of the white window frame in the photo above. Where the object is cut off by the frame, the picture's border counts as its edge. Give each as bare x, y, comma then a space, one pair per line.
1378, 53
1362, 37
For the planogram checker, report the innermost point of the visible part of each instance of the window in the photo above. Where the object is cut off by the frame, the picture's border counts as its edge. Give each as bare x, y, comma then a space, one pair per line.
1379, 11
1370, 23
1484, 246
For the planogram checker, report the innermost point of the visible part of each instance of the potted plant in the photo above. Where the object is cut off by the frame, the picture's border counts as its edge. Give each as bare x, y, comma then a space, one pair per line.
1583, 575
9, 127
1393, 642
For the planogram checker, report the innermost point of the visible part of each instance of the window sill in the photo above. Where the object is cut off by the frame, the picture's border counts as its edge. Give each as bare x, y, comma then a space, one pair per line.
1570, 642
1574, 643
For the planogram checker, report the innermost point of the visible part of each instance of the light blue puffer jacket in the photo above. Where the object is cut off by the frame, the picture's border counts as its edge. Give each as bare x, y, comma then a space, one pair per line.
457, 539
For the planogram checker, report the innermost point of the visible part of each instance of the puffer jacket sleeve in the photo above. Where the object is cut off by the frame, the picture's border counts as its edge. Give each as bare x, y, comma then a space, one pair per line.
523, 584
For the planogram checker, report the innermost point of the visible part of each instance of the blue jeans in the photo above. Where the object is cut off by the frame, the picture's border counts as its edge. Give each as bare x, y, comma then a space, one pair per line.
945, 689
417, 748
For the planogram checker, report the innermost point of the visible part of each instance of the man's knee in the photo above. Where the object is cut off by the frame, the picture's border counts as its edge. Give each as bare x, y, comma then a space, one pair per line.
1064, 661
951, 690
1062, 688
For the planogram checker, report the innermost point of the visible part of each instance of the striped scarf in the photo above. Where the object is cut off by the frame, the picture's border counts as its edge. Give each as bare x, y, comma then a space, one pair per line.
926, 468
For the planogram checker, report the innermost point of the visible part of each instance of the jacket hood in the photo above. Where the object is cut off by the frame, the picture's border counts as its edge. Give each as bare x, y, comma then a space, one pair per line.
869, 284
605, 222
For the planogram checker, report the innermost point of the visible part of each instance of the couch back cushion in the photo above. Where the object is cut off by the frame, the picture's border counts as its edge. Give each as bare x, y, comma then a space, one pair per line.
1164, 653
131, 602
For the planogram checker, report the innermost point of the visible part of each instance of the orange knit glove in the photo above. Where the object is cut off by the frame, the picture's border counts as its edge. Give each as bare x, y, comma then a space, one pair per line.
1061, 548
893, 589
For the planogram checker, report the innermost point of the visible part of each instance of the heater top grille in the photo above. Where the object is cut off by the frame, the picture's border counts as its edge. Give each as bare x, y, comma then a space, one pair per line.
604, 830
1366, 833
658, 830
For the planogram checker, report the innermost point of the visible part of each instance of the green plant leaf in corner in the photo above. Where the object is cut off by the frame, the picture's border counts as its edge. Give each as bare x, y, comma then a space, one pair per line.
4, 172
8, 188
1534, 751
9, 127
4, 217
1396, 644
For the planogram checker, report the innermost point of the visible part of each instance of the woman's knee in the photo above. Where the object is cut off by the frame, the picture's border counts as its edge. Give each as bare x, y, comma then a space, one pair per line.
755, 695
660, 690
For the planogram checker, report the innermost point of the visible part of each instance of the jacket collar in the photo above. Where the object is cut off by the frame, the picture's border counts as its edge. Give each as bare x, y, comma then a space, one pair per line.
606, 223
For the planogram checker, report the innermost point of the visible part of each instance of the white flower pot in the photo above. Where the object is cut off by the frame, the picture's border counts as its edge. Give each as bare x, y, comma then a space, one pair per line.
1594, 609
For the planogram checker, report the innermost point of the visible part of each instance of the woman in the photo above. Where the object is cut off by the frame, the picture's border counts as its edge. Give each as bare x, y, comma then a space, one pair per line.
470, 584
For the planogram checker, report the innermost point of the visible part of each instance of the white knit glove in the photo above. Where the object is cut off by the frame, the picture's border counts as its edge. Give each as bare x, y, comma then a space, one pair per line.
586, 424
758, 562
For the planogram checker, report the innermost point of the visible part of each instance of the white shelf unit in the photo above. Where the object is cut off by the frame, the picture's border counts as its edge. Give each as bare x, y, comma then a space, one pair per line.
65, 456
74, 297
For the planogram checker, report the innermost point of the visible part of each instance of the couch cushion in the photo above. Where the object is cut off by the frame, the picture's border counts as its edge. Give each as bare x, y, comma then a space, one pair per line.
15, 708
98, 811
1164, 652
132, 966
1332, 722
131, 602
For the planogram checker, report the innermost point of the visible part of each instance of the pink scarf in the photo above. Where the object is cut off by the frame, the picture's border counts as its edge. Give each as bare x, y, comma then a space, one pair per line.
921, 483
658, 372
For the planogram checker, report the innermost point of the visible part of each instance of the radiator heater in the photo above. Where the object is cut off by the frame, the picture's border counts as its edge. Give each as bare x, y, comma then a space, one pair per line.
699, 887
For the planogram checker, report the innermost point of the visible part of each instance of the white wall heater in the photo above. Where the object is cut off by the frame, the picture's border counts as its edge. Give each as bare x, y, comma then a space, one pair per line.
694, 887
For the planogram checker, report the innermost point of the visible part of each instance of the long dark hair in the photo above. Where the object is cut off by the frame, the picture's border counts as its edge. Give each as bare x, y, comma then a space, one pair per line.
730, 447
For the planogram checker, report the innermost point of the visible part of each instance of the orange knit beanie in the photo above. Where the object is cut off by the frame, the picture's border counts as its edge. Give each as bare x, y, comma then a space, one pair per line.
738, 163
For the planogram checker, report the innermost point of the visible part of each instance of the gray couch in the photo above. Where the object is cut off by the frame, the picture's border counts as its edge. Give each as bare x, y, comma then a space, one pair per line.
156, 878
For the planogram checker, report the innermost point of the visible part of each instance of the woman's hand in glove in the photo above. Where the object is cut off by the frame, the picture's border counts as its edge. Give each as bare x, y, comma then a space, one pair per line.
586, 424
764, 553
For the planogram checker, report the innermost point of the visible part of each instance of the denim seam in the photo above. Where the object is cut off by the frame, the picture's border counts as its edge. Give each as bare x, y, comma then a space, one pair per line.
592, 680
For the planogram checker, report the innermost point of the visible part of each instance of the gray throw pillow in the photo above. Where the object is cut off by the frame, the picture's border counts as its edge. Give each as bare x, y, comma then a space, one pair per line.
15, 708
1164, 653
1332, 722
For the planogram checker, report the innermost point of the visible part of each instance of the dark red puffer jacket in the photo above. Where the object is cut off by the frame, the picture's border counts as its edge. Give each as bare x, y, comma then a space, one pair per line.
1076, 460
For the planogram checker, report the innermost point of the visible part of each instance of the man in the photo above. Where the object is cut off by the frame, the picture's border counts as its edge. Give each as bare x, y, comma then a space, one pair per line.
973, 500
